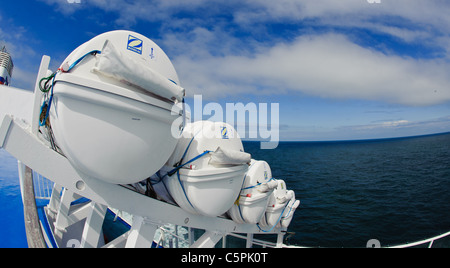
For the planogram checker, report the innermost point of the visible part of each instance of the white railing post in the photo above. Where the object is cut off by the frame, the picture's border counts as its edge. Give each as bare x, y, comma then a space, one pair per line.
141, 234
249, 241
93, 225
62, 218
208, 240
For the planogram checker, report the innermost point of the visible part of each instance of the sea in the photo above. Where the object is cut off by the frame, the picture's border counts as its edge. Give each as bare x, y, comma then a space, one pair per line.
393, 190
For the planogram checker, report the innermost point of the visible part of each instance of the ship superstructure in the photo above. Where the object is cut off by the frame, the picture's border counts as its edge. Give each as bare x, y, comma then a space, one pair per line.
6, 67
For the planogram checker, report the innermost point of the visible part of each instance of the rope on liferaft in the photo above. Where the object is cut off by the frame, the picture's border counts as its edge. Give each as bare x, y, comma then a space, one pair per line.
47, 87
279, 219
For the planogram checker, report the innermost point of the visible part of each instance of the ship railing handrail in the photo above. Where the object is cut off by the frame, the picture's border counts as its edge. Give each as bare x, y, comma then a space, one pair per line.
179, 238
42, 186
162, 239
428, 241
264, 244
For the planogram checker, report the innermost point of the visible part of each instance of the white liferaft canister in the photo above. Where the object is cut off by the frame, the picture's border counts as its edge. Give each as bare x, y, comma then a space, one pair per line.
116, 124
254, 196
204, 186
276, 206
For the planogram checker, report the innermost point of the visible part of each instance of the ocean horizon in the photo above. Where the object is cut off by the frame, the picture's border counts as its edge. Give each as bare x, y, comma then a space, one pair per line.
356, 140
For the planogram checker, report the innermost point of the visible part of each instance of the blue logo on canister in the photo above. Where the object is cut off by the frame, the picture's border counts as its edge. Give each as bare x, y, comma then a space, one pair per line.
224, 133
135, 44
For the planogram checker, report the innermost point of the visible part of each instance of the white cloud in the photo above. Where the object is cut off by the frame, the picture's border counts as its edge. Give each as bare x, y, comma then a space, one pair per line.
420, 21
212, 61
329, 66
253, 12
130, 12
66, 7
330, 11
387, 124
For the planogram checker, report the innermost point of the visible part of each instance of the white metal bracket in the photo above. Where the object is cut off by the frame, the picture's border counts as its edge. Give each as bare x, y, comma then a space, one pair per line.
93, 226
207, 240
141, 233
4, 128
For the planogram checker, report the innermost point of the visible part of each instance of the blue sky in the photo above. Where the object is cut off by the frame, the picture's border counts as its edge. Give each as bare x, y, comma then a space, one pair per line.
339, 69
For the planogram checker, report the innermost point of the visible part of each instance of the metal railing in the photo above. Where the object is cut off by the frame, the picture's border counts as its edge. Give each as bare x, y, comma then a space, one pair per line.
444, 240
250, 242
42, 186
